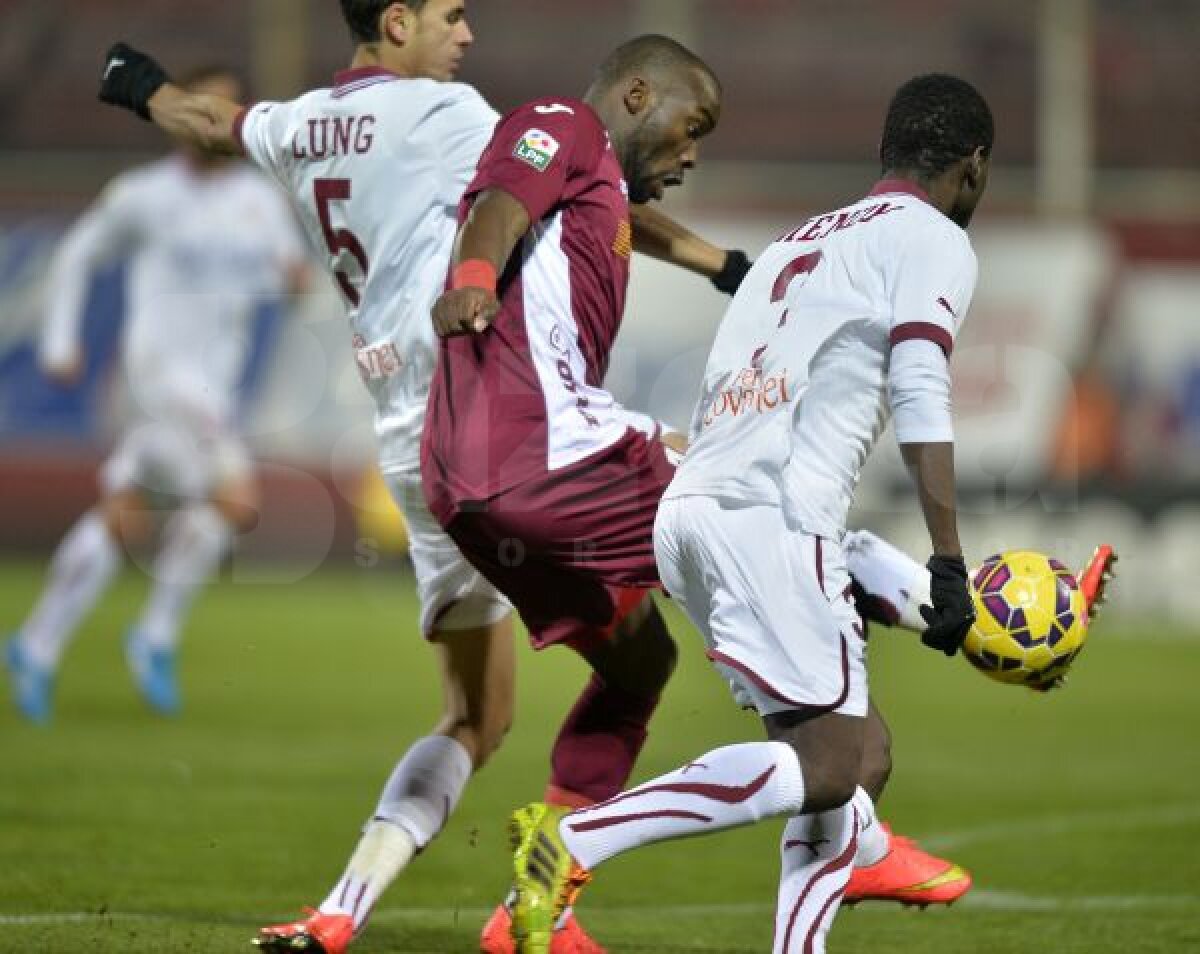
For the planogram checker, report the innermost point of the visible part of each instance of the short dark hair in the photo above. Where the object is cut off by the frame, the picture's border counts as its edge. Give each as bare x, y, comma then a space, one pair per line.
932, 122
650, 52
362, 16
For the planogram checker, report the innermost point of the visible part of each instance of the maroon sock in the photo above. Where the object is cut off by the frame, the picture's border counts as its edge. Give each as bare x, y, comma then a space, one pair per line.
600, 740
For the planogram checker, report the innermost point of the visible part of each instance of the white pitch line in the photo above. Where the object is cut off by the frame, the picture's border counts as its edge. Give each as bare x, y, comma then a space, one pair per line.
1163, 816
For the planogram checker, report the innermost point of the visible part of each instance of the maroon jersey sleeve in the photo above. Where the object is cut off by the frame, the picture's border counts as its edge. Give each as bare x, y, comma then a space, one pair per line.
537, 150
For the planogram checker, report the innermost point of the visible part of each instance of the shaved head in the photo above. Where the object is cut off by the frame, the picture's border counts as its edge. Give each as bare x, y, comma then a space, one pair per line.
651, 56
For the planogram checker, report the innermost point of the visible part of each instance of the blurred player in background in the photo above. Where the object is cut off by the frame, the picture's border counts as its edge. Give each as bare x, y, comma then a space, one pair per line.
847, 320
377, 165
208, 241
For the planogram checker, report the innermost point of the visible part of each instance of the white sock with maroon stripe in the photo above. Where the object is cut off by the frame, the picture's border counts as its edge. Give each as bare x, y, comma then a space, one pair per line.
383, 851
817, 853
873, 840
888, 574
734, 785
417, 800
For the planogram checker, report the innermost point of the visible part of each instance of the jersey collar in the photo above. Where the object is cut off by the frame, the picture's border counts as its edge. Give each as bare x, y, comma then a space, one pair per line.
905, 186
360, 73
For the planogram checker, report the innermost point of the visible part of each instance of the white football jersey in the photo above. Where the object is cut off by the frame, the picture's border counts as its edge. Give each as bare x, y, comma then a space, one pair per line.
206, 247
795, 392
377, 166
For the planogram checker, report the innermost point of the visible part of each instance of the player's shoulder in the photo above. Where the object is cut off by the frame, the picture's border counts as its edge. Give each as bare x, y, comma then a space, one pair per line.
559, 109
141, 182
915, 222
463, 93
159, 170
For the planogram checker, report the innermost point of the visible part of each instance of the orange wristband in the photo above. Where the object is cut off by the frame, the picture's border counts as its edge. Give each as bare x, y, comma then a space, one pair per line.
474, 273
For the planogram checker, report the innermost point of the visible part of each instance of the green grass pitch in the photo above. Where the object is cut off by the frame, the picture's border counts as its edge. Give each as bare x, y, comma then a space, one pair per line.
1078, 812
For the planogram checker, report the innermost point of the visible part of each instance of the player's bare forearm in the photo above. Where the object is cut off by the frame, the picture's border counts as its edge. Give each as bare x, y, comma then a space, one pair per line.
660, 236
495, 224
932, 468
484, 244
198, 119
201, 120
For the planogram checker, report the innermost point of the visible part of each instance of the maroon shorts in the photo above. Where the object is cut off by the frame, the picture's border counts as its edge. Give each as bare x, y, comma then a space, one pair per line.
572, 549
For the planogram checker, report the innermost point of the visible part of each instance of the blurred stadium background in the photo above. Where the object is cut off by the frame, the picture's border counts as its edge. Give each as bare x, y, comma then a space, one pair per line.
1078, 406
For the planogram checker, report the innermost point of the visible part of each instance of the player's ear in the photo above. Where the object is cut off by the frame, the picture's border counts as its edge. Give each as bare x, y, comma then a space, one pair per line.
637, 96
395, 23
975, 171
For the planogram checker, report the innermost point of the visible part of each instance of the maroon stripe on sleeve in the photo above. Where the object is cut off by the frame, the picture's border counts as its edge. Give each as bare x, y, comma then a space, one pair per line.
238, 123
923, 331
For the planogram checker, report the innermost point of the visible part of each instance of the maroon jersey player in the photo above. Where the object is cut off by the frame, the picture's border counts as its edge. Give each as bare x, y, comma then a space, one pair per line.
539, 475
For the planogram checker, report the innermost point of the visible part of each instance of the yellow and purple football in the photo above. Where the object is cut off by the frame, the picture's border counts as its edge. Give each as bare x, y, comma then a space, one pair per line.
1030, 619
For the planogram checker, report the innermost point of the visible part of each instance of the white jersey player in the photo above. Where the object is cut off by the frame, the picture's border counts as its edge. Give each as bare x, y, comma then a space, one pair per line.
207, 242
844, 322
377, 164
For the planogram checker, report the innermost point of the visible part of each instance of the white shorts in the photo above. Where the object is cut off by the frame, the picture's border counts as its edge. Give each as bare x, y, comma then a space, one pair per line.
171, 462
773, 605
453, 594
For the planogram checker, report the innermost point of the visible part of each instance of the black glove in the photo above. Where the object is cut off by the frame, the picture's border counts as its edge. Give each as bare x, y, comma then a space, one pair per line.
952, 613
732, 272
130, 79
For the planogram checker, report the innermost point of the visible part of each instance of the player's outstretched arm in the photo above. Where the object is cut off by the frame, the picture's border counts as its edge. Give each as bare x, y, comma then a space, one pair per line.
486, 240
660, 236
134, 81
950, 617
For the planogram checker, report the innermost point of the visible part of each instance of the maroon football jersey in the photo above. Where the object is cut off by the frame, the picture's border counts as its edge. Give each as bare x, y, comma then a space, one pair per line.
526, 397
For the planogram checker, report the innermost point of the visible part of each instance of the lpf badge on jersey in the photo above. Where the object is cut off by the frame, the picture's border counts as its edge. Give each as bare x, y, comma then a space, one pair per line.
536, 148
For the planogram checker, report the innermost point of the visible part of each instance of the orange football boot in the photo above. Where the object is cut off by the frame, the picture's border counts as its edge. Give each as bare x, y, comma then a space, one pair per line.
318, 934
1094, 580
908, 875
571, 938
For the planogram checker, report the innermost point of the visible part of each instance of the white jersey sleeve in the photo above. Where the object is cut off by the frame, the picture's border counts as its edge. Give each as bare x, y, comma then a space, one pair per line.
107, 231
932, 281
262, 131
462, 125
